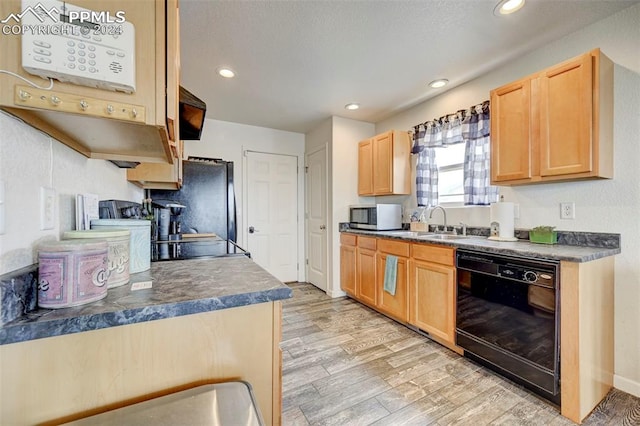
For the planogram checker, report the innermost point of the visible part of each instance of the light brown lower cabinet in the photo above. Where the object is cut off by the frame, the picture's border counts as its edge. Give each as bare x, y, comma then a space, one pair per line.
64, 378
586, 335
366, 290
395, 305
430, 284
425, 294
432, 292
348, 263
426, 298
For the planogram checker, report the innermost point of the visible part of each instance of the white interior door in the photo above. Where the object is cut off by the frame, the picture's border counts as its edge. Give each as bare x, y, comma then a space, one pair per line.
316, 195
272, 218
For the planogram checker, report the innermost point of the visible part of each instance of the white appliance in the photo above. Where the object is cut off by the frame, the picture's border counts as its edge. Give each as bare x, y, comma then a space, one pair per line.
77, 45
377, 217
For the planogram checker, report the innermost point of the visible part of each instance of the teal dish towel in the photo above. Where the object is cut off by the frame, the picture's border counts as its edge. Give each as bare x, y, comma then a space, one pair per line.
390, 274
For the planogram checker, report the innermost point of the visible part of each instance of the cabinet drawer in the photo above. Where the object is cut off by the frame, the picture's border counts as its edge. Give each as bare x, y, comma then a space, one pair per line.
396, 248
367, 243
436, 254
348, 239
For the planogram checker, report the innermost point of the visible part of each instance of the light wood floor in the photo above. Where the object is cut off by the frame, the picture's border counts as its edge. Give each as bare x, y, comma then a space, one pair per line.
345, 364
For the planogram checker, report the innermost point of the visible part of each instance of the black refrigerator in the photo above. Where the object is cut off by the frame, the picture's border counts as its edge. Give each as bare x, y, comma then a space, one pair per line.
208, 197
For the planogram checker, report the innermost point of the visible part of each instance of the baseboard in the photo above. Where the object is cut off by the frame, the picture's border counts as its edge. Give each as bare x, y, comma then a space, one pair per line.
336, 293
626, 385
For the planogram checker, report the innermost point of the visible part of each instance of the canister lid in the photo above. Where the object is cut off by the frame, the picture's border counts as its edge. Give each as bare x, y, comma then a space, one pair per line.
73, 245
126, 223
97, 233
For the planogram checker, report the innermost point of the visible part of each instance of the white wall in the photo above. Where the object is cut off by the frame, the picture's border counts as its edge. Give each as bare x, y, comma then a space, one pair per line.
29, 160
344, 186
341, 136
601, 206
226, 140
319, 136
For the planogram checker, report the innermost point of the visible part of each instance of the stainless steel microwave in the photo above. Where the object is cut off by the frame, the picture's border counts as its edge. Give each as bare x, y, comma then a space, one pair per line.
378, 217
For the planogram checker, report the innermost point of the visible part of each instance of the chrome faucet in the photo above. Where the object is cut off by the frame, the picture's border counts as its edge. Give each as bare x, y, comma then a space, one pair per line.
464, 228
444, 215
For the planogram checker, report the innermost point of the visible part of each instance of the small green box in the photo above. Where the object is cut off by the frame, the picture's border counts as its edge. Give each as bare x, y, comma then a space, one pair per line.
543, 235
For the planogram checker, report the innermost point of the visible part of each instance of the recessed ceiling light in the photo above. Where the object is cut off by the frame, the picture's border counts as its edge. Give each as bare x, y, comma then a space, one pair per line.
352, 106
506, 7
436, 84
226, 72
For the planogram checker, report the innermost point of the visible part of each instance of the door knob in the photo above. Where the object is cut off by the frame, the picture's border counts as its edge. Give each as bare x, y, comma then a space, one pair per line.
252, 230
323, 227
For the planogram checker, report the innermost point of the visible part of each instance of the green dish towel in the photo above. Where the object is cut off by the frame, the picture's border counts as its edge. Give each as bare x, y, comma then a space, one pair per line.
390, 274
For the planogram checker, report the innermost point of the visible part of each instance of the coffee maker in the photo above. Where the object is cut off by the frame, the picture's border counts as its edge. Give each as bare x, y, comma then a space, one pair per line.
169, 229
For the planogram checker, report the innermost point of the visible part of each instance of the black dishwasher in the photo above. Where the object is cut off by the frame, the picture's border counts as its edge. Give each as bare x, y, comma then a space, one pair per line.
507, 317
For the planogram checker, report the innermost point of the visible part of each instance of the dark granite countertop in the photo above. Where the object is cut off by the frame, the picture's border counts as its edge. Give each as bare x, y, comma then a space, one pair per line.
584, 247
179, 288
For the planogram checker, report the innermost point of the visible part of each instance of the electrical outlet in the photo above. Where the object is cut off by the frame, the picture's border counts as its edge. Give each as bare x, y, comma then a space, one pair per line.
47, 208
568, 210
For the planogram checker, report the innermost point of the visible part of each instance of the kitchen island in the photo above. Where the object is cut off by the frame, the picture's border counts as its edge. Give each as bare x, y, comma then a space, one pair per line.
202, 321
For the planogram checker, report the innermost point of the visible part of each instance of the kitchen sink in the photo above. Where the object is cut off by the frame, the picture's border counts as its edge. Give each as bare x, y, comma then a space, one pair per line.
447, 237
424, 235
408, 233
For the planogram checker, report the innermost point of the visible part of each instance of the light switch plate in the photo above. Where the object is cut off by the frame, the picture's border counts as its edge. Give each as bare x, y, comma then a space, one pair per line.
47, 208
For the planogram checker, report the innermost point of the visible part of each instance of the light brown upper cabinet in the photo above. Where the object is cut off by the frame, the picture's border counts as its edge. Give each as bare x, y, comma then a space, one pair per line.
365, 167
159, 175
99, 123
167, 175
384, 164
554, 125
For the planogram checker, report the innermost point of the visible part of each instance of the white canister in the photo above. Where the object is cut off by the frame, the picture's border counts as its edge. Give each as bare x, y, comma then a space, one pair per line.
71, 273
119, 242
139, 243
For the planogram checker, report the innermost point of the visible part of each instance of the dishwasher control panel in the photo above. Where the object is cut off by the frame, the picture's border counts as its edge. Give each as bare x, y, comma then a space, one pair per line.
539, 272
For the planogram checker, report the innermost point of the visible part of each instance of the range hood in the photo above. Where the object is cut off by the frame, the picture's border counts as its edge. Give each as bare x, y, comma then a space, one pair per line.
192, 112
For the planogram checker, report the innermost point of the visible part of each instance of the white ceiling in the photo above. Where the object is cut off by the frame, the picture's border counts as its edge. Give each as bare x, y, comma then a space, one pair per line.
299, 62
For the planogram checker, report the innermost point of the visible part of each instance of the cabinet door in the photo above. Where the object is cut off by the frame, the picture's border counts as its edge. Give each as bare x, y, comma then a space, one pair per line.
566, 115
134, 128
365, 167
383, 164
157, 175
366, 276
173, 75
512, 153
348, 269
432, 299
394, 305
401, 163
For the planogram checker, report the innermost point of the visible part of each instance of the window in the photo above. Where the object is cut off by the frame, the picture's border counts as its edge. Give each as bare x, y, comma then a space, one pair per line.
450, 161
451, 175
